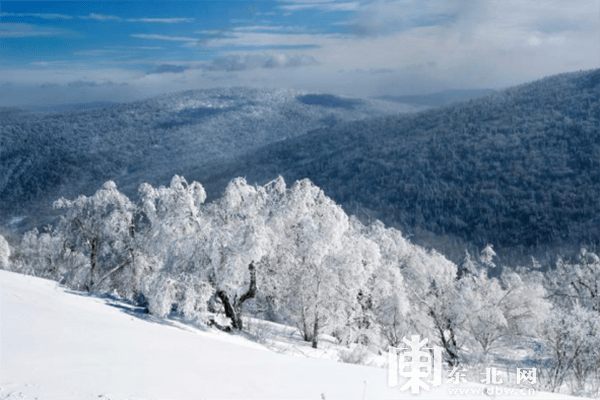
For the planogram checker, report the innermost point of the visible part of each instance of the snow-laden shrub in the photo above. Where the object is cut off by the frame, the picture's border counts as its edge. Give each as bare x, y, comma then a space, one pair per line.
187, 294
357, 354
44, 255
570, 353
160, 293
194, 295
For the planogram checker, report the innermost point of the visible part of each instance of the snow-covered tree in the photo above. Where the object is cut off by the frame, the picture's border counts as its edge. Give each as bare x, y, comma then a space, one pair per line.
312, 232
438, 309
389, 297
102, 228
358, 273
240, 237
467, 267
171, 213
571, 350
173, 228
572, 332
577, 281
297, 251
487, 256
45, 255
4, 253
502, 308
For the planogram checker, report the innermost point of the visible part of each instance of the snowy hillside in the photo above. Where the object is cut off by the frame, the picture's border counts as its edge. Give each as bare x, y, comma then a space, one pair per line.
58, 344
48, 155
518, 169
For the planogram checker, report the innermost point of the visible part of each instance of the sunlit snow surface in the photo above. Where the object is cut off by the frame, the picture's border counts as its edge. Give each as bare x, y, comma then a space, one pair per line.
57, 344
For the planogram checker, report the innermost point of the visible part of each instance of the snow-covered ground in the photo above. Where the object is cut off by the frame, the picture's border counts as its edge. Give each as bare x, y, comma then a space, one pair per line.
58, 344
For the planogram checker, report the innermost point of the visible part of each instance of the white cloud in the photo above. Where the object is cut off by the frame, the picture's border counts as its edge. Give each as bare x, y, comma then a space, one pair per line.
45, 64
387, 47
49, 68
169, 68
101, 17
430, 46
98, 52
36, 15
243, 62
210, 32
262, 39
97, 17
164, 37
255, 28
534, 41
307, 1
321, 5
16, 30
70, 73
162, 20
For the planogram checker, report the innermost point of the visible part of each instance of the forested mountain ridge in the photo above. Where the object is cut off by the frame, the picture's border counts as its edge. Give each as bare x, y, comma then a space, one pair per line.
440, 98
519, 168
47, 155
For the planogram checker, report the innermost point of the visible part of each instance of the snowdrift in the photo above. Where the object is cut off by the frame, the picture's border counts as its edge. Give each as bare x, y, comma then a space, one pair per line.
59, 344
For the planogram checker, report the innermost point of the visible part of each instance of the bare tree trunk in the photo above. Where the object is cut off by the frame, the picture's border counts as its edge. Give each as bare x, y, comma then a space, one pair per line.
450, 346
305, 327
315, 330
93, 261
443, 324
229, 310
234, 310
315, 334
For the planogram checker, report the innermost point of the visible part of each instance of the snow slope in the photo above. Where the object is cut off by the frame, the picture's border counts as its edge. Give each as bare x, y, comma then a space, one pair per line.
58, 344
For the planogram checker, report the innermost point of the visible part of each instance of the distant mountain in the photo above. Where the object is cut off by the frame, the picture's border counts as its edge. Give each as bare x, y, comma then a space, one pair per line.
96, 105
441, 98
66, 153
519, 168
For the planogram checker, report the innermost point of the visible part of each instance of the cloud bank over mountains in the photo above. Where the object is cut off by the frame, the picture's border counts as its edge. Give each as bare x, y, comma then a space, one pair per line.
367, 48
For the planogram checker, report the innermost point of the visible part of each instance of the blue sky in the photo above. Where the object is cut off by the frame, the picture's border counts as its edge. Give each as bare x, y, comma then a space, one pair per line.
78, 51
